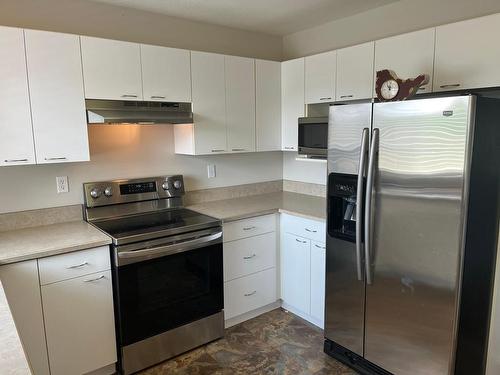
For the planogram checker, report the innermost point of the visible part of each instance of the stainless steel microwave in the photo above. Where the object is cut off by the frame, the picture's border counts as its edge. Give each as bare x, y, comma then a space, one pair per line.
313, 137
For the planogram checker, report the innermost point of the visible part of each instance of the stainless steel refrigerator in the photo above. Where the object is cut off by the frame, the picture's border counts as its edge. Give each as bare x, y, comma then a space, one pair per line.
411, 240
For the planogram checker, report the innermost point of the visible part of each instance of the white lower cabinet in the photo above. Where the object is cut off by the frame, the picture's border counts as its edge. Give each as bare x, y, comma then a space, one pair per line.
79, 324
318, 273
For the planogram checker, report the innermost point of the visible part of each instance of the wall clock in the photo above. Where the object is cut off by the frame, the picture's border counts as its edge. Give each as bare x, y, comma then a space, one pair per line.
391, 88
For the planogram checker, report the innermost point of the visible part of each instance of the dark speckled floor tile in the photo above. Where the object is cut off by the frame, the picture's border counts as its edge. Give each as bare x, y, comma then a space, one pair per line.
277, 342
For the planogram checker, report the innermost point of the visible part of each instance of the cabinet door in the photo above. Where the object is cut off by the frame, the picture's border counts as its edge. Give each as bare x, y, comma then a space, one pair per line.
240, 103
408, 55
166, 74
79, 323
111, 69
296, 272
22, 289
57, 98
292, 102
320, 77
16, 133
355, 72
467, 55
209, 99
268, 105
318, 262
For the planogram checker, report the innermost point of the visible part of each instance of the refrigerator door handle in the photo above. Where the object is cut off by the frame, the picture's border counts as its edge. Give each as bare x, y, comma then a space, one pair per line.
368, 202
359, 200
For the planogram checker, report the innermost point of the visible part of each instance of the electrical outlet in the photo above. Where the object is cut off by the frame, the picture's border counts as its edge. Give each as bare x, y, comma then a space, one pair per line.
62, 184
211, 170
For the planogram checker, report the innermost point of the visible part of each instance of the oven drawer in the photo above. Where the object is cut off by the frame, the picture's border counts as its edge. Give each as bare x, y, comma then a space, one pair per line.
71, 265
253, 226
249, 293
302, 227
249, 255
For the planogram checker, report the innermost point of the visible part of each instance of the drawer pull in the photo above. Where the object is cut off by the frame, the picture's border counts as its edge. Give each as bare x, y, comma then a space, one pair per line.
250, 256
250, 294
78, 265
300, 241
310, 230
96, 279
249, 228
319, 247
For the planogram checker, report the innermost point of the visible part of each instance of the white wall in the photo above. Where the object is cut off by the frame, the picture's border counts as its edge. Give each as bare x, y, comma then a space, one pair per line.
392, 19
305, 171
125, 151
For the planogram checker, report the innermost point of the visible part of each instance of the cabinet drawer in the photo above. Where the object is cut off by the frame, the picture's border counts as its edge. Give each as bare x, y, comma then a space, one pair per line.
312, 229
249, 227
249, 255
78, 263
249, 293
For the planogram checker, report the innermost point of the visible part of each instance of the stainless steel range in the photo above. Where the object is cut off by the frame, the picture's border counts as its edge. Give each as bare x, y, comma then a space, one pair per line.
167, 268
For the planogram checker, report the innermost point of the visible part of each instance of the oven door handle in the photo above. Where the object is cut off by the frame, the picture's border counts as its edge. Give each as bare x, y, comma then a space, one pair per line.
127, 257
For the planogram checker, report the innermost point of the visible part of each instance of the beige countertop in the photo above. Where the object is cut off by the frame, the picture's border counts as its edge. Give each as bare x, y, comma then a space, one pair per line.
12, 358
307, 206
42, 241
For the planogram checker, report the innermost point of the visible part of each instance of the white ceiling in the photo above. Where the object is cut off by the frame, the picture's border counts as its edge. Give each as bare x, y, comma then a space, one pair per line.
278, 17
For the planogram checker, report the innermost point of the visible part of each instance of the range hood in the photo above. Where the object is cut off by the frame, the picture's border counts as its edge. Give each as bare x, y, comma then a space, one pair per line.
137, 112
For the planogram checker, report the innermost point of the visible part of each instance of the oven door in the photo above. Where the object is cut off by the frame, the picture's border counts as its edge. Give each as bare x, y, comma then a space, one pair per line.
313, 136
166, 285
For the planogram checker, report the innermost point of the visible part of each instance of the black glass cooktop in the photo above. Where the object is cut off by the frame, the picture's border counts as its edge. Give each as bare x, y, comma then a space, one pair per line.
155, 224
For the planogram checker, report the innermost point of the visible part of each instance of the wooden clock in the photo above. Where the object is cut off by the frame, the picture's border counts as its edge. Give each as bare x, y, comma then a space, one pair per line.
391, 88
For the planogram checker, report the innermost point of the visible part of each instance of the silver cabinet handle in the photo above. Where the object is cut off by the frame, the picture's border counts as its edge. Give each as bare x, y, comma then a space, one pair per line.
368, 201
359, 200
95, 279
218, 150
289, 148
250, 294
129, 96
329, 98
311, 230
249, 228
300, 241
450, 85
319, 247
346, 96
249, 256
157, 97
78, 265
15, 160
58, 158
238, 149
422, 88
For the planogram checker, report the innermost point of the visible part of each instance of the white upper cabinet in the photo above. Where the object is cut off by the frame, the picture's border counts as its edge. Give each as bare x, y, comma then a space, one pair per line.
320, 77
111, 69
268, 105
467, 54
240, 103
292, 102
408, 55
209, 98
16, 134
166, 74
57, 97
355, 72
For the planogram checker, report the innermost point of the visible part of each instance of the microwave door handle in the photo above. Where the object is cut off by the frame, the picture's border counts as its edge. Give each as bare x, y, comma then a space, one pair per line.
126, 257
368, 201
359, 201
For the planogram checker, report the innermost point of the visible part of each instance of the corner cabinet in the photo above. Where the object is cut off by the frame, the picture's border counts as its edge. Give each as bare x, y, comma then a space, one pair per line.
467, 55
16, 133
292, 101
63, 308
57, 97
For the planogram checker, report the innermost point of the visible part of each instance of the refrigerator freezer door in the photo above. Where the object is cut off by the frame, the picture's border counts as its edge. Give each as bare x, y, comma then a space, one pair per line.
345, 289
418, 206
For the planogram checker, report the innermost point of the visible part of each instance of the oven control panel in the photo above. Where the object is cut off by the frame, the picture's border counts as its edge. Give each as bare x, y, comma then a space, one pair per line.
104, 193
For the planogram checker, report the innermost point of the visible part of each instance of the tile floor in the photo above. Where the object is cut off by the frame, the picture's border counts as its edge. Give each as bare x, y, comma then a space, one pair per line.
274, 343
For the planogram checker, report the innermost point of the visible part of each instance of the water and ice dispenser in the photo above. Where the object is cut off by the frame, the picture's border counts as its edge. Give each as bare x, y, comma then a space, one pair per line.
342, 212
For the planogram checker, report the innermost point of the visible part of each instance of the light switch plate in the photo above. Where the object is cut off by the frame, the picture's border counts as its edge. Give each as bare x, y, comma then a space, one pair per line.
211, 170
62, 184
